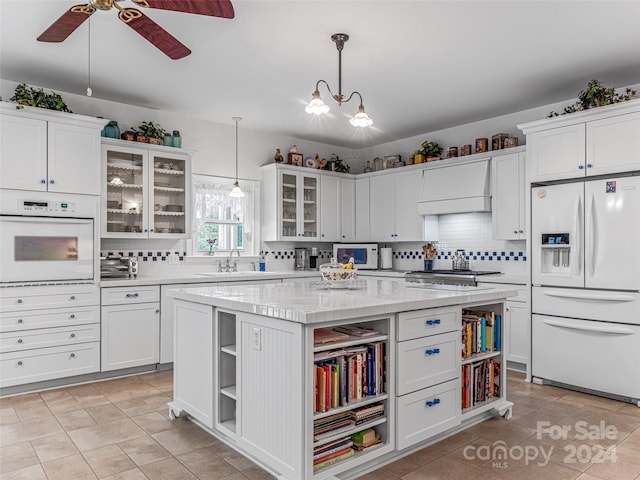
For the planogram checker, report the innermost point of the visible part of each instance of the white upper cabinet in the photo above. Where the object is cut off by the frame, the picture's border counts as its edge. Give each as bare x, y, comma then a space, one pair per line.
362, 209
49, 151
347, 209
557, 153
394, 207
290, 204
508, 196
330, 218
613, 144
146, 190
593, 142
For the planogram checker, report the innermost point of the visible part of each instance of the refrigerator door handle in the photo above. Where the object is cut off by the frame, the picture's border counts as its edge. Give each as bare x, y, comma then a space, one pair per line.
589, 328
604, 297
578, 238
593, 247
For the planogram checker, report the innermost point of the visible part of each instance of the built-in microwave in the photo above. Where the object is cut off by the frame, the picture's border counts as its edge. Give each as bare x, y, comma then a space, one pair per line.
47, 238
365, 255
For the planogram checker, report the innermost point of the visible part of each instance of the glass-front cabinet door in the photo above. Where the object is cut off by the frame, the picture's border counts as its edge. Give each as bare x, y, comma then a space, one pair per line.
126, 192
169, 177
145, 191
299, 206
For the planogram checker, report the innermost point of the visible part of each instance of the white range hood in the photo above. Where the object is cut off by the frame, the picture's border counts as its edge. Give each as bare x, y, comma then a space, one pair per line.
459, 188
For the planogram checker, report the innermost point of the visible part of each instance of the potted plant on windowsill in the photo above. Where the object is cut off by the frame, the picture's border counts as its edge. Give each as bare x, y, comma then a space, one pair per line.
149, 132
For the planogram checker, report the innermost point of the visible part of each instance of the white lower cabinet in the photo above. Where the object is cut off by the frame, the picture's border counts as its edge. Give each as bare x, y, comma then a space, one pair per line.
130, 330
47, 333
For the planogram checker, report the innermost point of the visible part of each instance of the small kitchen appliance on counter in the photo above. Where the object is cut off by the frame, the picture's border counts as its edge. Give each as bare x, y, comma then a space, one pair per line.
365, 255
301, 259
118, 267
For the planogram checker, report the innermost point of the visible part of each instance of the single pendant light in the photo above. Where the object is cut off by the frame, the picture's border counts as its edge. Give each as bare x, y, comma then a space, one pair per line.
236, 191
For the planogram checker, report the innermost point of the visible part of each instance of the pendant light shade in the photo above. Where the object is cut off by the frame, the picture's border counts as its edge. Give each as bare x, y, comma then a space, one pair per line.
236, 192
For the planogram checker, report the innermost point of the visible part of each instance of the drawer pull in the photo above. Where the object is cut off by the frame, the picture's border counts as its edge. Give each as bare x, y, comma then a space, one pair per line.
73, 315
132, 295
432, 351
431, 403
19, 300
19, 340
73, 355
72, 297
20, 321
435, 321
19, 363
73, 335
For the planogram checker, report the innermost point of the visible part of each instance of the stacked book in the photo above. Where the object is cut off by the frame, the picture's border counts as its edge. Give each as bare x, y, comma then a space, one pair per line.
367, 413
345, 375
332, 453
480, 333
480, 382
332, 425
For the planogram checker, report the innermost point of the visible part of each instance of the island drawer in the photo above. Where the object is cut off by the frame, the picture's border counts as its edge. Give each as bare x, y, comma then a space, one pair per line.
427, 361
426, 413
49, 337
124, 295
421, 323
18, 368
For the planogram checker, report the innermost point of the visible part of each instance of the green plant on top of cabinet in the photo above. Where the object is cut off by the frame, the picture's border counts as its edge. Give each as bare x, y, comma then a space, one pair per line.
44, 150
146, 190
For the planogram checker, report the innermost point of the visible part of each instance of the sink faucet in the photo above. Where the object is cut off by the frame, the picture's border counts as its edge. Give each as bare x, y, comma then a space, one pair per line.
234, 250
235, 264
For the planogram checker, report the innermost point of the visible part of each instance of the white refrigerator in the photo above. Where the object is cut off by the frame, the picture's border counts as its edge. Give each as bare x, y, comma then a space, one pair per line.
585, 254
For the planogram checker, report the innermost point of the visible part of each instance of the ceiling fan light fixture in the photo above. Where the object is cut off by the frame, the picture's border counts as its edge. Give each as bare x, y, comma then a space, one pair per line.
361, 119
316, 106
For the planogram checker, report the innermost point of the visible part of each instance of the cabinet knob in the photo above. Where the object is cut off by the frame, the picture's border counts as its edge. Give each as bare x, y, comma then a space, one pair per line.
435, 321
515, 231
157, 311
52, 182
589, 165
73, 335
132, 295
73, 355
432, 351
19, 340
73, 315
19, 363
145, 230
520, 231
72, 297
20, 321
43, 181
580, 167
322, 235
151, 229
19, 300
431, 403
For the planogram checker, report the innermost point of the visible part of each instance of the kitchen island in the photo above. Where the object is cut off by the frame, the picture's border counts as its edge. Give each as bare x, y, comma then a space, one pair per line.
250, 367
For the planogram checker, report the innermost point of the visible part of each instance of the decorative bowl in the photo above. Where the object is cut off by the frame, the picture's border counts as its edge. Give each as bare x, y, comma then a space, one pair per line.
336, 276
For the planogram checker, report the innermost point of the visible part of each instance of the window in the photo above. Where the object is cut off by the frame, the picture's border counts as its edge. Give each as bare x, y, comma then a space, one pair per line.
223, 223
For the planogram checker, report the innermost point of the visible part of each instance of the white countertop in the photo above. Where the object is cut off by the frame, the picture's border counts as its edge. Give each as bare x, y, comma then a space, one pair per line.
314, 301
211, 277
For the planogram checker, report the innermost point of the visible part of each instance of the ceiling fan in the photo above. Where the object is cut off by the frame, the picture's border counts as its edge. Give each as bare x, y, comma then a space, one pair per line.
134, 18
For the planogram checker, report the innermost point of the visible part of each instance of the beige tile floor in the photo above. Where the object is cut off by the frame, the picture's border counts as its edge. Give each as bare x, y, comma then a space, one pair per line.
119, 430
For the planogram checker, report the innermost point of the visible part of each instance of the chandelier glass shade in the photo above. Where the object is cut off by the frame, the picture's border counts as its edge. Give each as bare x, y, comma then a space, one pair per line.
317, 107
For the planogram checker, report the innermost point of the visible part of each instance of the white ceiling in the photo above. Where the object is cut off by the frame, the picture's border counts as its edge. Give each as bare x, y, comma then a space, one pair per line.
420, 65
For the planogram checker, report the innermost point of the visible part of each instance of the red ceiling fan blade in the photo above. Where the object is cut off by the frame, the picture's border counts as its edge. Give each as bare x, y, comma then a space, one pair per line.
67, 23
153, 32
213, 8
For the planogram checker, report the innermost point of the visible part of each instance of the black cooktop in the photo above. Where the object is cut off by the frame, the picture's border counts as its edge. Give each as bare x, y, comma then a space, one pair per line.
455, 272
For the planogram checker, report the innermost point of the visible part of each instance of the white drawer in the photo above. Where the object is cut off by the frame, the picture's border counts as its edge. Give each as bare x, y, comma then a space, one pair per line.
32, 298
49, 337
124, 295
427, 412
420, 323
427, 361
17, 368
63, 317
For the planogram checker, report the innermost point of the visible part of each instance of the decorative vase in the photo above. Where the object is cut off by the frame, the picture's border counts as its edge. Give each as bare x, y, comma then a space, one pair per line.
418, 158
111, 130
367, 167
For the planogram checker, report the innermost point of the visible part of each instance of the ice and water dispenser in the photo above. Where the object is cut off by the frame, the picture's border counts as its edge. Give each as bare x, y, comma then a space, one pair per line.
555, 254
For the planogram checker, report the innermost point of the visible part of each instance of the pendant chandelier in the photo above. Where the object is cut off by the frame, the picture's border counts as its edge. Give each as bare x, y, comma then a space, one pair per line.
317, 107
236, 191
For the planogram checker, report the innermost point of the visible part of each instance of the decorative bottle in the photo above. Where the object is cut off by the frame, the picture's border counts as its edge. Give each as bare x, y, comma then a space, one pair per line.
177, 139
367, 167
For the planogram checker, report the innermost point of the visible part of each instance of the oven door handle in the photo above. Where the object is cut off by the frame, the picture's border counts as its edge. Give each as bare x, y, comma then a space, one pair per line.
589, 328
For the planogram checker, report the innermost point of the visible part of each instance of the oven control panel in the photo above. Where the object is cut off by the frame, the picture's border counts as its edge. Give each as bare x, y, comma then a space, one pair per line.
47, 208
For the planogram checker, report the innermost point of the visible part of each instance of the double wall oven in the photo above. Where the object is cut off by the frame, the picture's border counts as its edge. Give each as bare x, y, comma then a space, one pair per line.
47, 238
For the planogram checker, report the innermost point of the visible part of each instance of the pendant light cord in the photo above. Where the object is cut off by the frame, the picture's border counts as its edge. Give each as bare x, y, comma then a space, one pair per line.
237, 119
89, 91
